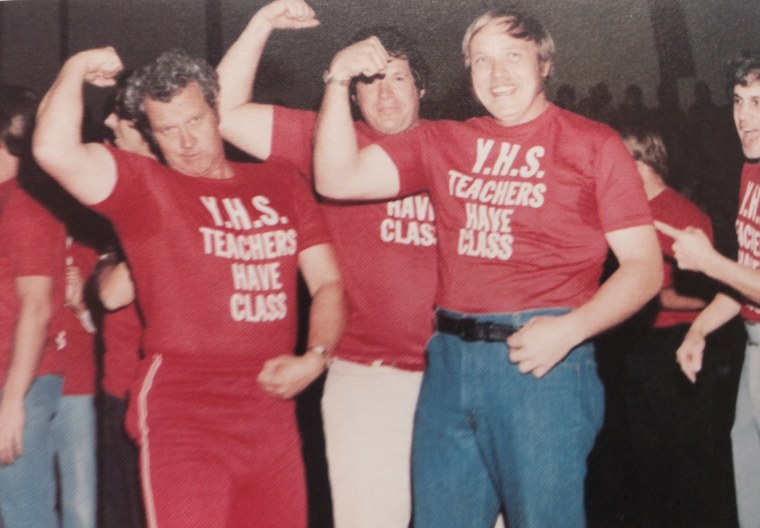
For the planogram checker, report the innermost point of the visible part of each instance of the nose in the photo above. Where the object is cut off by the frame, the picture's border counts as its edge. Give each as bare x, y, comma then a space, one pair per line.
187, 139
500, 69
384, 87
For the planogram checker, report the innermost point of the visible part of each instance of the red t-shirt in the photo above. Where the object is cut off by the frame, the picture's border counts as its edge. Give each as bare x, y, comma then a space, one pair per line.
387, 256
521, 212
32, 243
748, 229
676, 210
77, 359
214, 261
122, 332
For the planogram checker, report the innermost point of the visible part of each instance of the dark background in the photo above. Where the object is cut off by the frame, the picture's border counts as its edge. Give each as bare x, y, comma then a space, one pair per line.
616, 41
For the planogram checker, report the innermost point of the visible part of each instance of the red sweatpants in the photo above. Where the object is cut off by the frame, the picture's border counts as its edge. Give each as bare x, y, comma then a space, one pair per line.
215, 450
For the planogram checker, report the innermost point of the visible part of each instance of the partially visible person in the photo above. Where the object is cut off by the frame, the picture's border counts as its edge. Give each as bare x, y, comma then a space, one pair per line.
693, 251
387, 254
74, 428
32, 260
214, 249
528, 200
120, 502
669, 423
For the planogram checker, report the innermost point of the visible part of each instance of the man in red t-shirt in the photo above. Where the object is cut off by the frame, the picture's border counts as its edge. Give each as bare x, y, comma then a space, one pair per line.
528, 200
668, 427
693, 251
214, 248
32, 244
387, 254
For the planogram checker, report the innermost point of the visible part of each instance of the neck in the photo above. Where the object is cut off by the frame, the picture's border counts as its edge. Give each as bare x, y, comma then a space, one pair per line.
9, 165
654, 186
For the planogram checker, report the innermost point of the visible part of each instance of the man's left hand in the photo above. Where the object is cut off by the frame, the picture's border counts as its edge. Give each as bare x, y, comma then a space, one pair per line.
542, 343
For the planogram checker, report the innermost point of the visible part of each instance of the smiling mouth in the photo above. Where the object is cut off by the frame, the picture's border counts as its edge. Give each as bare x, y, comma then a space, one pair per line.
750, 135
498, 91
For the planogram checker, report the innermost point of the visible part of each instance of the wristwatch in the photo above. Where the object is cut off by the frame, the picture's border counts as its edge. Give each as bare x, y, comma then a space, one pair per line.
328, 78
321, 351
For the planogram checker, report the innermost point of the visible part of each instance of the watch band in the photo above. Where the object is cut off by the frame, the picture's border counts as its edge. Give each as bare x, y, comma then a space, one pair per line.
328, 78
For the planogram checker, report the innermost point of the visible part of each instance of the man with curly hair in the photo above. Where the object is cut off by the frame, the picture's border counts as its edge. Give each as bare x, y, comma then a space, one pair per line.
214, 248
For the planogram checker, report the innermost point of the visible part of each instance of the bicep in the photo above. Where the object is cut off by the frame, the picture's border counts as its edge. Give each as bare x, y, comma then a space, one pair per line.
88, 172
250, 128
637, 243
377, 175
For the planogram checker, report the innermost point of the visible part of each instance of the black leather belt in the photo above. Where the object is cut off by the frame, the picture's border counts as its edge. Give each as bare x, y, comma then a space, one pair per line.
470, 329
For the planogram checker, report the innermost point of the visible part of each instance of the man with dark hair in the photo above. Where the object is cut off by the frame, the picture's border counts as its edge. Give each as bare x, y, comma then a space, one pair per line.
119, 498
32, 245
693, 251
528, 200
386, 251
214, 248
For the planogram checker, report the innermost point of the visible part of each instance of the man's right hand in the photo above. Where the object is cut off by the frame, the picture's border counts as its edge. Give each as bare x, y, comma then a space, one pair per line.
288, 14
367, 57
11, 431
101, 65
689, 355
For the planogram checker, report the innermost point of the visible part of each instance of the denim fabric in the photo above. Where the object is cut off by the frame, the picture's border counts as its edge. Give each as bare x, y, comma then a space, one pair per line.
487, 437
74, 436
745, 434
27, 487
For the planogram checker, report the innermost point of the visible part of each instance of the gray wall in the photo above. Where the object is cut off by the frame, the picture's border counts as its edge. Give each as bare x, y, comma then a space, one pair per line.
597, 40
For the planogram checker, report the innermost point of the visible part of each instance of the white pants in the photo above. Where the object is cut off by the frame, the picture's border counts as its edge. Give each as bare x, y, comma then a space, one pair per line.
368, 414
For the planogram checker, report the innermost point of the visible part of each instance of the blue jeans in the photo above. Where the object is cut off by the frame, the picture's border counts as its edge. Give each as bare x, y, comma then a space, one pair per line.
27, 487
74, 436
487, 437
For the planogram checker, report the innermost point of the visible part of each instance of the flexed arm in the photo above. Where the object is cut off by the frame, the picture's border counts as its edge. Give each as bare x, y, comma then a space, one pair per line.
246, 124
341, 170
86, 170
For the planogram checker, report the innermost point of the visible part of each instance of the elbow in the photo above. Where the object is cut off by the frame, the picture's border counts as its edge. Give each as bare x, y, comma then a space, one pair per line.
332, 187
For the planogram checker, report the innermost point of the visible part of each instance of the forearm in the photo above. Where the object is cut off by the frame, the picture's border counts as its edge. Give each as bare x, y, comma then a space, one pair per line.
336, 152
722, 309
670, 299
237, 70
327, 318
59, 117
627, 290
741, 278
